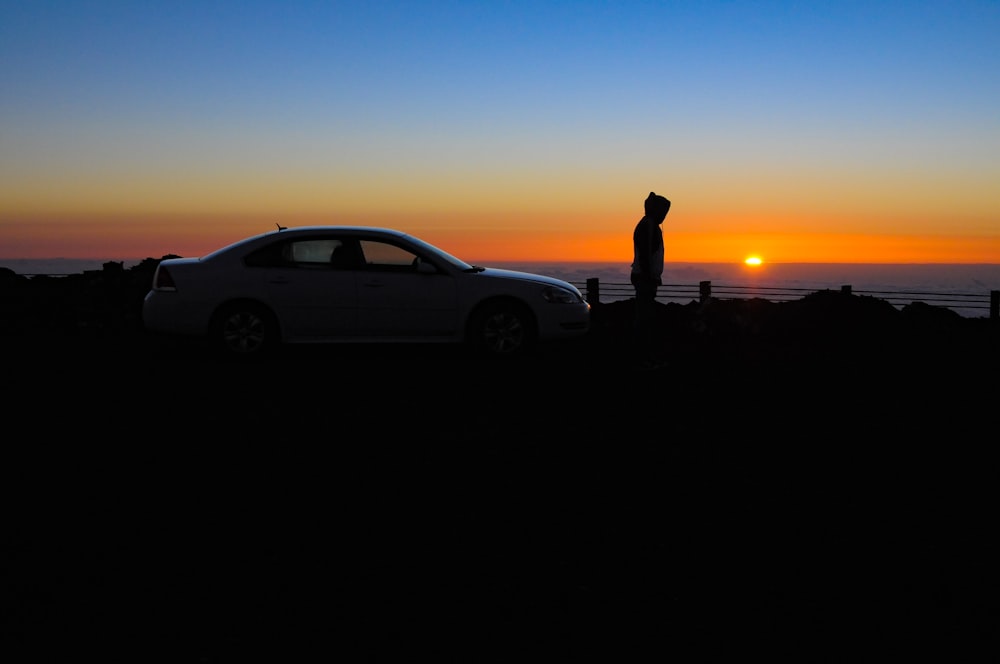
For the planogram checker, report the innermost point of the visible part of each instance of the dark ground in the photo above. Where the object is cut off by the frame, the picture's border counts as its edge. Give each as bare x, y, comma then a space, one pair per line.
811, 482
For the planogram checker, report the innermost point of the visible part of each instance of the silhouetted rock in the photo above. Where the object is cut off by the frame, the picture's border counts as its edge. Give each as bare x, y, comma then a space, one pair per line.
102, 301
826, 325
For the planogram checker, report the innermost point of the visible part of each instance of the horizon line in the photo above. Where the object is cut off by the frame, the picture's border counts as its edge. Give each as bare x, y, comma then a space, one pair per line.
547, 260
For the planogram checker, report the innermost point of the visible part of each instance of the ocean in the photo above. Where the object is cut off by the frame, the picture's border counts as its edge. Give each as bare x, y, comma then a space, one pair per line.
944, 280
976, 280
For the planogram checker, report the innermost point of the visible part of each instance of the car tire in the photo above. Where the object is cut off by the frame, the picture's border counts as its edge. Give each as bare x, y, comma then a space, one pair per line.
502, 329
244, 329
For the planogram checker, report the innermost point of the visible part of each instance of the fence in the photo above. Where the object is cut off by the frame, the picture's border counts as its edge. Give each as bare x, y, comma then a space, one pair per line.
967, 304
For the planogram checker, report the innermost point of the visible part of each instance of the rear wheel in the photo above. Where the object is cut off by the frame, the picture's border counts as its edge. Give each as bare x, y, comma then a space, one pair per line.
502, 329
244, 329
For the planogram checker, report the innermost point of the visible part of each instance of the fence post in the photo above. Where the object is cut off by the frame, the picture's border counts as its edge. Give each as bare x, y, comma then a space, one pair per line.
995, 304
704, 291
593, 290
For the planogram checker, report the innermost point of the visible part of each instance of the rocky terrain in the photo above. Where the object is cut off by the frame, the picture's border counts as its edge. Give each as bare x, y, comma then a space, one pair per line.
808, 480
825, 326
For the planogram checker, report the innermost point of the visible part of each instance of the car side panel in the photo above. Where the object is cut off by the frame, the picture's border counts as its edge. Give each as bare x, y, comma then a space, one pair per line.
311, 303
188, 309
407, 304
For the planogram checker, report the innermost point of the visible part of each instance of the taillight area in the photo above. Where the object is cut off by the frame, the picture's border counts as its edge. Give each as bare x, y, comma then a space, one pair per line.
163, 280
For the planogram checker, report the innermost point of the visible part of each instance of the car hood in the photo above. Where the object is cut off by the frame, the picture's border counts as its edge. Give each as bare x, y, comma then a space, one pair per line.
524, 276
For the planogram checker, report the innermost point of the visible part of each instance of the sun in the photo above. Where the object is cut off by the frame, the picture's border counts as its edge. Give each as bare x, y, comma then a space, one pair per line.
754, 260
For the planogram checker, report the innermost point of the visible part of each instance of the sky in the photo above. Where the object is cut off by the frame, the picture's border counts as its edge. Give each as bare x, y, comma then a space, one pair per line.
841, 131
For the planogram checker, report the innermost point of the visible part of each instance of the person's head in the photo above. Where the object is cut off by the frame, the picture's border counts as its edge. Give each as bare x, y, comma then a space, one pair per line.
657, 207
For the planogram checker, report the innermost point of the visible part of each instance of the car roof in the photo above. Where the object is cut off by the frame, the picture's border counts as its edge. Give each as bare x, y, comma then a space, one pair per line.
306, 230
339, 228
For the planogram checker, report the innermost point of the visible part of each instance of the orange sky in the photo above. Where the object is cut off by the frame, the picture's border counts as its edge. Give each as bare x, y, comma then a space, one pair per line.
488, 238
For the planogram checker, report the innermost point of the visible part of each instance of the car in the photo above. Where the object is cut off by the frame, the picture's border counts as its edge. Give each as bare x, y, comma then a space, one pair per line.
355, 284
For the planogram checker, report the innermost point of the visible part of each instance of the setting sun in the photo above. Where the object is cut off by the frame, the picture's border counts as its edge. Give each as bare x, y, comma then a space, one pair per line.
753, 260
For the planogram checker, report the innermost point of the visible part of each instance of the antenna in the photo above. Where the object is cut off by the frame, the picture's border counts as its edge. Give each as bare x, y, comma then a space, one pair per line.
280, 227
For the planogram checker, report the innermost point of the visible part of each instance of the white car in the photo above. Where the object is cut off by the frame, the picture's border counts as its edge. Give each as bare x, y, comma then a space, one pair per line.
324, 284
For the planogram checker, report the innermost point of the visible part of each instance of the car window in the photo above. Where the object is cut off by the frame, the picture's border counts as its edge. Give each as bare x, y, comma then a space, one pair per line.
312, 251
347, 256
272, 255
307, 253
388, 257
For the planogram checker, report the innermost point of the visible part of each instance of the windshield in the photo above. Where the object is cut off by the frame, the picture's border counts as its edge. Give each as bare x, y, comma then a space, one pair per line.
441, 253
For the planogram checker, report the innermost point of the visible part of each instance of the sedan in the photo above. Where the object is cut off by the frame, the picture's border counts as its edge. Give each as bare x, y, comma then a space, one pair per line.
335, 284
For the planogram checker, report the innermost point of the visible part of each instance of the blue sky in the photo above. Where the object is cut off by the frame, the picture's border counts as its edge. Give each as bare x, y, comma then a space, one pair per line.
468, 119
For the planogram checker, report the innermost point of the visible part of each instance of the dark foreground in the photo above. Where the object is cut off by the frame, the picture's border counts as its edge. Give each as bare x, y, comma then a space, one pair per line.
796, 488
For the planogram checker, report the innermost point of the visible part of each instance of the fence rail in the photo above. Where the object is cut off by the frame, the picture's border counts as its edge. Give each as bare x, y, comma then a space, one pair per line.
967, 304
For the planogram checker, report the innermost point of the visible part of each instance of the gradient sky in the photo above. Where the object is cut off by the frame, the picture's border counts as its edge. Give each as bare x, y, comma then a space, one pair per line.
800, 131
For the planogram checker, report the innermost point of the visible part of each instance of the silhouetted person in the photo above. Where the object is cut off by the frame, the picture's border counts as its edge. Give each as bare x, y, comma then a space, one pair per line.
647, 276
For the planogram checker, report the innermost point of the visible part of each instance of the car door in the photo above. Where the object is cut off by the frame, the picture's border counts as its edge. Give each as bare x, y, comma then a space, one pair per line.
314, 297
399, 298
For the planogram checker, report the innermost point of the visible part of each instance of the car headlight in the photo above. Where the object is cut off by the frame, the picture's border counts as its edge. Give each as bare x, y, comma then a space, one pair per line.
557, 295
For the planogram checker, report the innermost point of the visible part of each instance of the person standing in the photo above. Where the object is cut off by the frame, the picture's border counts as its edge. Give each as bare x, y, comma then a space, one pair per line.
647, 275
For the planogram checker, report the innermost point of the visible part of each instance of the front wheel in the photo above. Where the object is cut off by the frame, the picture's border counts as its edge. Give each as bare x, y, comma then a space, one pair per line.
502, 329
244, 330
